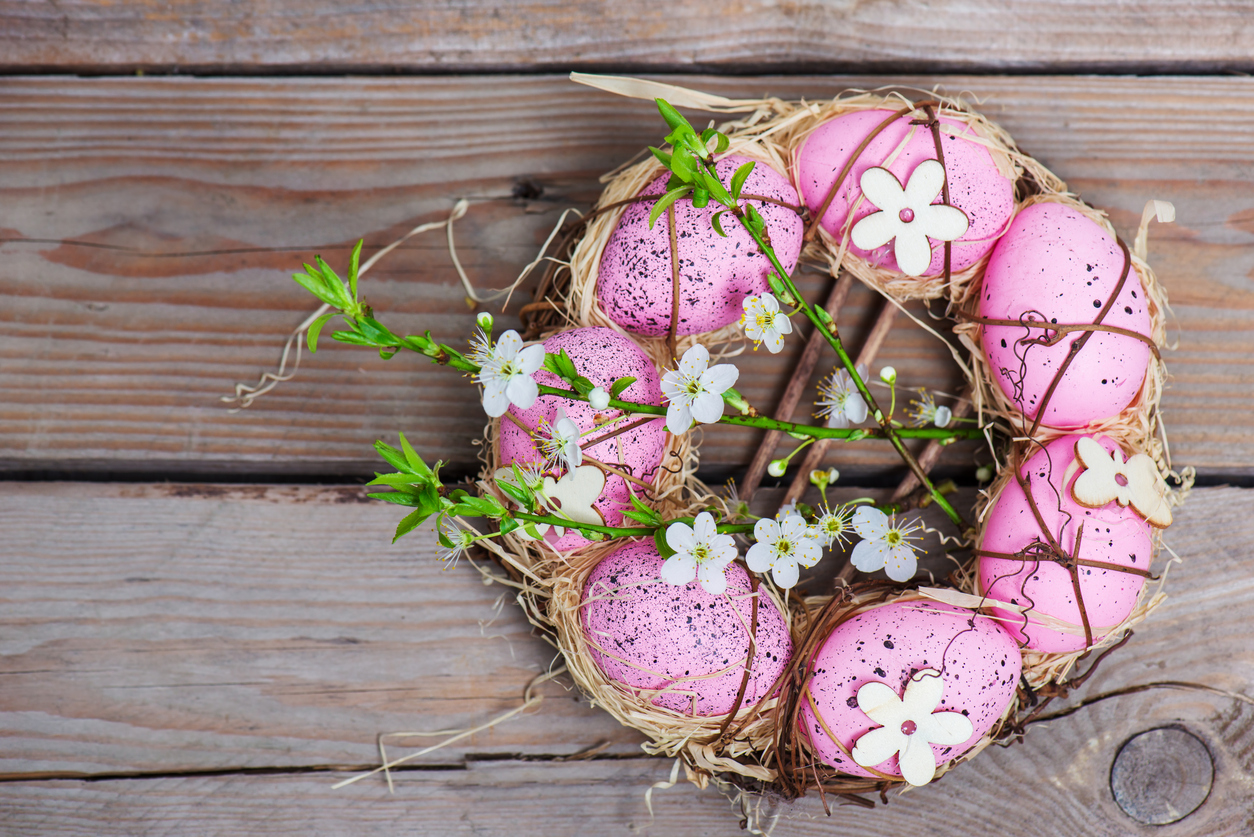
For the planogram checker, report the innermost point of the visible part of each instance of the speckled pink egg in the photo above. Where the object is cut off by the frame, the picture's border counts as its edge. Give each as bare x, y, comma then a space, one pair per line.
976, 187
603, 356
1062, 265
635, 282
978, 661
1112, 534
650, 635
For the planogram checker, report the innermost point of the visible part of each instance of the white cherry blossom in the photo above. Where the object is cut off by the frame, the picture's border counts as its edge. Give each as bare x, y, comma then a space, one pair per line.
764, 322
909, 726
839, 400
700, 553
506, 371
833, 526
782, 547
559, 442
695, 390
907, 215
885, 544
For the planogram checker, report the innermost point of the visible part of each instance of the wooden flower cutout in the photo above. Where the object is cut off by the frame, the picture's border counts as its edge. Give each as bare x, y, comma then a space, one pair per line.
572, 496
1107, 477
907, 216
909, 726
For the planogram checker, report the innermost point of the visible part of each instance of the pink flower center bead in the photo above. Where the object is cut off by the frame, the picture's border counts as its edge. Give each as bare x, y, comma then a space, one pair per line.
908, 728
906, 215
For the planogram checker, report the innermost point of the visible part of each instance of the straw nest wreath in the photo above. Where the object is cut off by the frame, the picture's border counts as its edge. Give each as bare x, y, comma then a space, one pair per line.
757, 747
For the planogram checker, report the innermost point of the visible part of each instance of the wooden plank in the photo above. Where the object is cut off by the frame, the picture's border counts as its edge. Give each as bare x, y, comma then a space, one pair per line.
219, 656
210, 191
473, 35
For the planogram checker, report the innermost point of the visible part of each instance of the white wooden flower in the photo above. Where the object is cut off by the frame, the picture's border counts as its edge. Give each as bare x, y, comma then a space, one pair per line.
695, 390
764, 322
907, 216
885, 544
782, 547
909, 726
1106, 477
700, 553
505, 372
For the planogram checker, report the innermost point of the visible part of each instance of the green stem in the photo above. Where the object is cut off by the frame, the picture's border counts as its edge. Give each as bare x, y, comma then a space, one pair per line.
833, 338
620, 531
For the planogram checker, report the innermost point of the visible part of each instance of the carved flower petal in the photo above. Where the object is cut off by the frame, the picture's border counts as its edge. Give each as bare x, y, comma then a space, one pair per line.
923, 693
926, 182
912, 250
881, 704
884, 190
917, 761
875, 230
878, 746
943, 223
947, 729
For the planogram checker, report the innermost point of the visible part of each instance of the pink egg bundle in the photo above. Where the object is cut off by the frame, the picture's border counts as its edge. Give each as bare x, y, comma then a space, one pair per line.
1115, 549
635, 280
978, 664
1054, 267
603, 356
682, 648
976, 186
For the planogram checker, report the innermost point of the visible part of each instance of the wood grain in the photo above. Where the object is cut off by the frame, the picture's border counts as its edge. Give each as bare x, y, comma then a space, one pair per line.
234, 650
476, 35
148, 227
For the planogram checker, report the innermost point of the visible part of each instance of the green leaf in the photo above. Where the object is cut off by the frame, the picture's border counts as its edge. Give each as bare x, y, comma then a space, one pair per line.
754, 219
354, 339
567, 366
643, 519
582, 385
666, 200
397, 497
388, 354
413, 459
352, 268
617, 388
674, 119
700, 197
410, 522
662, 156
479, 506
717, 189
312, 335
717, 224
393, 456
334, 283
739, 178
707, 134
683, 165
551, 360
377, 331
663, 548
508, 524
722, 144
312, 282
401, 481
518, 495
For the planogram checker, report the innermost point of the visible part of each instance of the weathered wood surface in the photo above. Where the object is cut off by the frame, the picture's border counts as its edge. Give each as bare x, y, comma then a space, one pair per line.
148, 227
477, 35
221, 655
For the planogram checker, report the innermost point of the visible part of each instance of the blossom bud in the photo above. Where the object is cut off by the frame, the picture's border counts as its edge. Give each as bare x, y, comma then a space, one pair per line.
484, 320
944, 415
777, 468
888, 375
599, 399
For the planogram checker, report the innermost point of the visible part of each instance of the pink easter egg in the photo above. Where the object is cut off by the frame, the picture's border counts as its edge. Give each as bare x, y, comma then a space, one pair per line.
976, 187
978, 662
666, 641
603, 356
1112, 535
1057, 265
634, 284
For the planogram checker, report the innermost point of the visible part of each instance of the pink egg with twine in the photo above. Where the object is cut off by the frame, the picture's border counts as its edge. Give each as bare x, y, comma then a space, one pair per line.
978, 662
635, 282
1112, 534
603, 356
680, 647
1055, 265
976, 186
